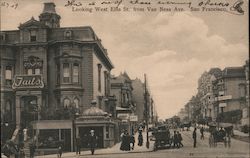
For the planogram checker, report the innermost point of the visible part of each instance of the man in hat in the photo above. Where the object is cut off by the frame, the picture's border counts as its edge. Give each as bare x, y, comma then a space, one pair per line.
92, 141
78, 146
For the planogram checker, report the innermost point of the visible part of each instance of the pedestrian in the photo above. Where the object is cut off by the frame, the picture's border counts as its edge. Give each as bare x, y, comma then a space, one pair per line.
132, 141
202, 133
179, 139
84, 141
140, 138
59, 152
123, 141
125, 144
127, 141
175, 140
92, 141
32, 149
78, 146
194, 137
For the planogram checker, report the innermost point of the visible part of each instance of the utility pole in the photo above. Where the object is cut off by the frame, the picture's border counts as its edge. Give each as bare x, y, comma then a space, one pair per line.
146, 108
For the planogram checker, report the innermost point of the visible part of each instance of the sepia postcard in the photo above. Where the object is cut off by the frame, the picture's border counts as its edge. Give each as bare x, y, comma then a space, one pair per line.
124, 78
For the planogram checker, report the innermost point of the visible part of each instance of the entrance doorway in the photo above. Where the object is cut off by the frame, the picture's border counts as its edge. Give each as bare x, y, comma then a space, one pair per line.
29, 110
85, 131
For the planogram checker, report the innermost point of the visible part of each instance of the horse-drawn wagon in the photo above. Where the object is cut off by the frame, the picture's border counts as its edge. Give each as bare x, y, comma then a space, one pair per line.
220, 134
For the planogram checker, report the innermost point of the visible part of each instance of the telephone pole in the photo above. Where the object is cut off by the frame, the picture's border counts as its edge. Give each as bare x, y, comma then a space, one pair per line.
146, 108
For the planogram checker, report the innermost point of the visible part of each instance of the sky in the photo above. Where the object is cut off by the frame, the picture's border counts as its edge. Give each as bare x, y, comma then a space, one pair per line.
172, 48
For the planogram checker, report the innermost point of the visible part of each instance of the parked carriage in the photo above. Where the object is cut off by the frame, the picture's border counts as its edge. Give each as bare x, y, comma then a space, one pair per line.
220, 134
162, 137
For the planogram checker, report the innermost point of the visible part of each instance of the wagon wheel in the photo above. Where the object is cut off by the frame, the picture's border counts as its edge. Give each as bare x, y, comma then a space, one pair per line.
155, 146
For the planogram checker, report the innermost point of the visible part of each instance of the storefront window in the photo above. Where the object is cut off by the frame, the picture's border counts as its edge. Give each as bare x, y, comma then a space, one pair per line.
8, 75
66, 73
76, 73
107, 131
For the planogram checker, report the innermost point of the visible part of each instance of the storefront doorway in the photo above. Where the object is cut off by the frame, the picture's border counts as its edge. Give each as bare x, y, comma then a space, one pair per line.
85, 131
29, 110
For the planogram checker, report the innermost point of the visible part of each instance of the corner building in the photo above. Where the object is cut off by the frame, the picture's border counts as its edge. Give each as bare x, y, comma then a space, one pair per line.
50, 75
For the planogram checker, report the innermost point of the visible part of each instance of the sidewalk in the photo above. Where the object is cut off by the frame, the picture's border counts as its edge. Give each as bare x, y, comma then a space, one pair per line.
113, 150
239, 133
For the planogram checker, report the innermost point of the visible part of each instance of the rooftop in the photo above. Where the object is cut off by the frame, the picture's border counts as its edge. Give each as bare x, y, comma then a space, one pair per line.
233, 72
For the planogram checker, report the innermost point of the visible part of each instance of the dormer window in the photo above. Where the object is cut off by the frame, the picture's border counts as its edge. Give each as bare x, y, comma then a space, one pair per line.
67, 34
33, 35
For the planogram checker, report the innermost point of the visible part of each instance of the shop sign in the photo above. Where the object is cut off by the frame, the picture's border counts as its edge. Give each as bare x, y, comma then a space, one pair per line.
124, 116
245, 113
133, 118
222, 105
28, 81
224, 97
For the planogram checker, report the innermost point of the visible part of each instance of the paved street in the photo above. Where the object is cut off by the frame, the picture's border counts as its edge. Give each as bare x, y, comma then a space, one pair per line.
238, 149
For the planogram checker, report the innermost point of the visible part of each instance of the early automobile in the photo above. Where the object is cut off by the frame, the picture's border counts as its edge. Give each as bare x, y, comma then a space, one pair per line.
162, 137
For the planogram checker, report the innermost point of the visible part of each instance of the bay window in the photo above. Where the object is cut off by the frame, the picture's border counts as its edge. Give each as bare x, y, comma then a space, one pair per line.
76, 73
66, 73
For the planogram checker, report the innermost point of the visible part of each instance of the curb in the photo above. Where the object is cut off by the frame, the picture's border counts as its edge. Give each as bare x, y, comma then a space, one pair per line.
118, 153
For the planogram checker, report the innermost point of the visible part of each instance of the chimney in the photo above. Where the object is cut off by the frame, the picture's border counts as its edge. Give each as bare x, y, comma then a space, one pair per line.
49, 7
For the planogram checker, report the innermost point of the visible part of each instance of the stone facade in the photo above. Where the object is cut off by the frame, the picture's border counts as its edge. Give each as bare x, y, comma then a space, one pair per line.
205, 91
48, 68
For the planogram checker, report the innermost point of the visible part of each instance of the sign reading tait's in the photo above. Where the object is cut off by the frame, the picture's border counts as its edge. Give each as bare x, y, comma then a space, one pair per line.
28, 81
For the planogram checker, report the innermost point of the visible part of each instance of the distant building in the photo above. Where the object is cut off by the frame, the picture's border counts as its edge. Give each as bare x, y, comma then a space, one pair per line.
121, 88
246, 109
138, 97
183, 114
205, 91
229, 90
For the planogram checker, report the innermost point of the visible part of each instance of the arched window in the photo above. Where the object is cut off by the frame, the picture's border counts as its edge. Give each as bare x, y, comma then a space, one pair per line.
76, 103
66, 102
